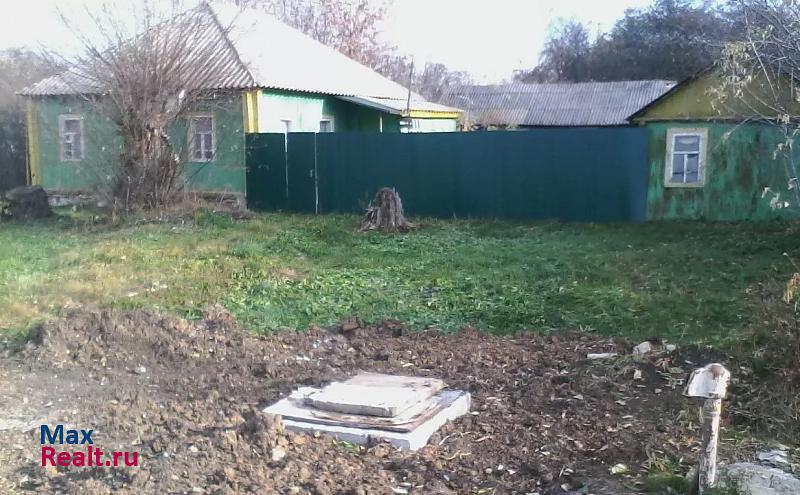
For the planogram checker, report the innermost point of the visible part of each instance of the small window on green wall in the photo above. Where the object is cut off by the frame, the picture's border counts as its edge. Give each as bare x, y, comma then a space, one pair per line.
685, 164
202, 141
71, 133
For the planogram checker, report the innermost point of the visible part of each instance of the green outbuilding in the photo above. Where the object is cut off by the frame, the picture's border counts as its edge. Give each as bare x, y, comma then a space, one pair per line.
711, 161
265, 77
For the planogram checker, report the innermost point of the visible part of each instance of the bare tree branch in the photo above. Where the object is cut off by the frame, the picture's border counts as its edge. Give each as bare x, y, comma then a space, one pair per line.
146, 78
758, 78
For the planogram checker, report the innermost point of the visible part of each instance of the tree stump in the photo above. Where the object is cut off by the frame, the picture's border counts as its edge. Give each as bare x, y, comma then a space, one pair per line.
385, 213
25, 202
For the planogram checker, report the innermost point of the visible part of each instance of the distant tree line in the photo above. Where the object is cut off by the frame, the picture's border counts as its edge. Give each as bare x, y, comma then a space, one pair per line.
671, 39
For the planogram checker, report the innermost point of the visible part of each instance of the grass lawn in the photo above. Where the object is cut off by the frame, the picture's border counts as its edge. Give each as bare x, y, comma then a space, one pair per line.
686, 282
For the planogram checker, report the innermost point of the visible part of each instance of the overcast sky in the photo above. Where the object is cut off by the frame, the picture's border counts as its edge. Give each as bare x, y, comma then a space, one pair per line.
488, 38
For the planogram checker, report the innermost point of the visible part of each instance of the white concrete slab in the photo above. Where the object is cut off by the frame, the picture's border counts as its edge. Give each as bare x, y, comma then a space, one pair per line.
455, 403
374, 394
295, 408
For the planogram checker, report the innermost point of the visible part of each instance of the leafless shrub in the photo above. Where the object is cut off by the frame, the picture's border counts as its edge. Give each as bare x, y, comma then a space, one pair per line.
767, 397
759, 83
144, 77
759, 80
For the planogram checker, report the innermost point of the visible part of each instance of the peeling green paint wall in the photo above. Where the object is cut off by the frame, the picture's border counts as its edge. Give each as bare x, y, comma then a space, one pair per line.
226, 173
739, 165
101, 146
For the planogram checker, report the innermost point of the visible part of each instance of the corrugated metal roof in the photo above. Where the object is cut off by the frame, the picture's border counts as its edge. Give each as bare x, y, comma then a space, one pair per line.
249, 48
559, 104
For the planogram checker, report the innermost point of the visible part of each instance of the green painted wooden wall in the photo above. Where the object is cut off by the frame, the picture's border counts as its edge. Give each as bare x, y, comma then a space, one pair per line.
101, 146
740, 163
305, 110
225, 173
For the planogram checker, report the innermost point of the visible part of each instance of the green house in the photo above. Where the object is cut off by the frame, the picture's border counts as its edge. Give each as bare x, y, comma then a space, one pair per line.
264, 77
711, 161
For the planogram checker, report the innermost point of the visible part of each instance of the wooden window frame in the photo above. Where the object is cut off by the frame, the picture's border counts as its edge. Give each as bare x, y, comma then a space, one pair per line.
192, 133
677, 132
62, 120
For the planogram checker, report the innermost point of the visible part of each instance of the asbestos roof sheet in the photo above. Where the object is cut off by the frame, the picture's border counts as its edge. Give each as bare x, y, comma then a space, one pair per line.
249, 48
208, 59
556, 105
281, 57
400, 105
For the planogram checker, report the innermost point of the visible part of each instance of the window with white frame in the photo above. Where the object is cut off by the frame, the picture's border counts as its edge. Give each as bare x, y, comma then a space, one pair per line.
686, 158
326, 124
202, 140
71, 132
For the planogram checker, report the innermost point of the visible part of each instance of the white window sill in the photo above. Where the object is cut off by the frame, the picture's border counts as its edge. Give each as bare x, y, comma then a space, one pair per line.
684, 185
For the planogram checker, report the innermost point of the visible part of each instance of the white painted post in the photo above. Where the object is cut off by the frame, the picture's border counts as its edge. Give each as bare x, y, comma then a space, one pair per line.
711, 384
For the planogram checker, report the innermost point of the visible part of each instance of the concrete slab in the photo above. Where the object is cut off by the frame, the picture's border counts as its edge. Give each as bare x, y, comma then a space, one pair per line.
754, 479
294, 407
374, 394
454, 403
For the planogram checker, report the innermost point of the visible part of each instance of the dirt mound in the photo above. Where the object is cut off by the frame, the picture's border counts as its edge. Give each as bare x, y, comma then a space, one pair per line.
104, 340
187, 395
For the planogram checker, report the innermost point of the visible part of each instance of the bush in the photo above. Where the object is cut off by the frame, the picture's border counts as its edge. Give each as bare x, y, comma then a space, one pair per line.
768, 396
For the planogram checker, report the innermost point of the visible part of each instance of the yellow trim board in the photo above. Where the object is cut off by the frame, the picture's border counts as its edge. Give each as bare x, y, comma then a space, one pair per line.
424, 114
251, 110
34, 167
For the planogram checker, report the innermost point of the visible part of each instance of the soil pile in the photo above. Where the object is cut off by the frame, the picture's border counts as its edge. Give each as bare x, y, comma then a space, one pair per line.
187, 396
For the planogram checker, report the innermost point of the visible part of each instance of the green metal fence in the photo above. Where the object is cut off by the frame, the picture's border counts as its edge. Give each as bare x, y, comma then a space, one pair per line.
575, 174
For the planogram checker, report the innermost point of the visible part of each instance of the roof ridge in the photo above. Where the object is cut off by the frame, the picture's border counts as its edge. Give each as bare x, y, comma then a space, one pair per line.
595, 103
225, 32
245, 28
566, 83
255, 49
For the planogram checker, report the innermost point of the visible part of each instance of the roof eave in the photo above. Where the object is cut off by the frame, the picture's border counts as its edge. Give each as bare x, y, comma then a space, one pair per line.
371, 104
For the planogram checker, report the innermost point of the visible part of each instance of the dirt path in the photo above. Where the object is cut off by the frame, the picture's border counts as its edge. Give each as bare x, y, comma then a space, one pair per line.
186, 396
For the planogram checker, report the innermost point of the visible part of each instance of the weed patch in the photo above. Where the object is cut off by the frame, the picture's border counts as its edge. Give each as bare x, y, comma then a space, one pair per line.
699, 283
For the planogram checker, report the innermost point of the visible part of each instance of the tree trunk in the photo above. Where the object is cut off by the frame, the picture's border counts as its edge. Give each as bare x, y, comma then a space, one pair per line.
149, 172
385, 213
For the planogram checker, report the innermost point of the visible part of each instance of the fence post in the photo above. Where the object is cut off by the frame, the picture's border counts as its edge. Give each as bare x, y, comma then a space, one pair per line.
710, 384
316, 177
